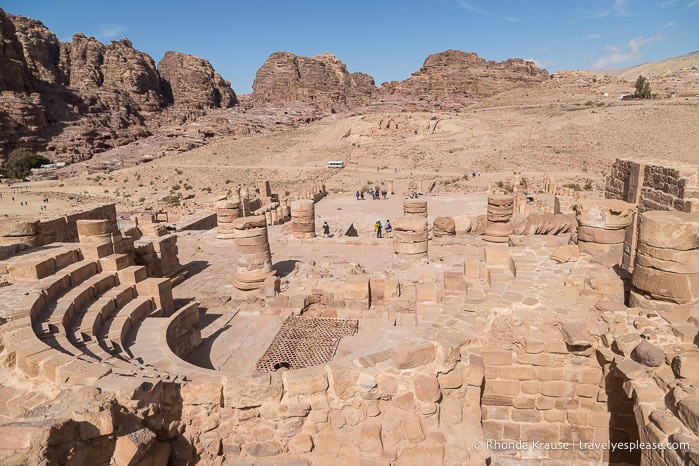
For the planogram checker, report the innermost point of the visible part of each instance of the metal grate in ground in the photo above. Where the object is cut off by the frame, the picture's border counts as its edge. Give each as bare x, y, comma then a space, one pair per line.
304, 342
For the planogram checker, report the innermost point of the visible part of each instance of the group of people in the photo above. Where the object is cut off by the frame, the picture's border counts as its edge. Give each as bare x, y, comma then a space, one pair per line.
379, 228
375, 194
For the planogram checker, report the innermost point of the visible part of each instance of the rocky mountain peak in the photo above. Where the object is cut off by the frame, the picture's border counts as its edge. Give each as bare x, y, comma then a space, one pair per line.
321, 81
193, 82
457, 78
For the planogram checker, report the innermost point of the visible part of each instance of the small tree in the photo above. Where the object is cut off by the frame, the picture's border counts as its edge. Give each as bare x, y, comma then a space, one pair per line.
642, 88
20, 163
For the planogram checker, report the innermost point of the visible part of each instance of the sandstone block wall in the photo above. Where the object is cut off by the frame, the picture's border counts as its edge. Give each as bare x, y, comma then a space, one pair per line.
549, 392
64, 229
652, 186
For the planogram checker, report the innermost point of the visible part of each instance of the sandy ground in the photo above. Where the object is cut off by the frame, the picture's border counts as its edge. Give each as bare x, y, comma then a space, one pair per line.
11, 200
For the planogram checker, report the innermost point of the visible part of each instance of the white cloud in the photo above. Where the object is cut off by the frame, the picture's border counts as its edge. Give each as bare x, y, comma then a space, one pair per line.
474, 9
615, 55
589, 37
691, 4
667, 3
540, 63
110, 31
620, 8
469, 7
670, 25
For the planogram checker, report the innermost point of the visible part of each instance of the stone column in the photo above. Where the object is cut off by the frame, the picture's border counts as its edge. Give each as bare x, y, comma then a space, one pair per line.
500, 210
21, 231
303, 219
227, 211
416, 207
666, 270
601, 224
410, 236
254, 255
94, 231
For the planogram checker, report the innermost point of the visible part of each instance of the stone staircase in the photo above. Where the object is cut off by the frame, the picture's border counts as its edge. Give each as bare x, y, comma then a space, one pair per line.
76, 318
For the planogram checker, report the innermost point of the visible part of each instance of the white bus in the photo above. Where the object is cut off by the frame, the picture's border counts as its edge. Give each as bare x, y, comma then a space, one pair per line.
336, 164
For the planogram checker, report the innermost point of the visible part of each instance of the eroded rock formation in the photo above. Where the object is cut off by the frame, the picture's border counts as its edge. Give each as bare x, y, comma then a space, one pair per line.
454, 76
75, 99
194, 83
321, 81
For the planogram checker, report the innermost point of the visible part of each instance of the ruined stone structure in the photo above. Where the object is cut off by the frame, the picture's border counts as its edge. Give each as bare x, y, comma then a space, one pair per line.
651, 186
410, 237
252, 249
227, 211
667, 261
303, 219
417, 207
102, 363
601, 228
499, 227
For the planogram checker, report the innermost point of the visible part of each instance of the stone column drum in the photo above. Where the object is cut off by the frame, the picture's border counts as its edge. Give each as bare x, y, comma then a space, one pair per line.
667, 259
416, 207
601, 228
94, 231
20, 231
500, 210
303, 219
254, 255
410, 235
227, 211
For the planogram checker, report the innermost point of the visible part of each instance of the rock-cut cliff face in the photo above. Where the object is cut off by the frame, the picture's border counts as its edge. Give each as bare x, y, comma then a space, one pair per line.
193, 82
454, 77
72, 100
322, 82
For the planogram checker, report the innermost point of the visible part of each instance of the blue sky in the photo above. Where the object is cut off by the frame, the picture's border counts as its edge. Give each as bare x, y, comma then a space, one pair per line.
388, 39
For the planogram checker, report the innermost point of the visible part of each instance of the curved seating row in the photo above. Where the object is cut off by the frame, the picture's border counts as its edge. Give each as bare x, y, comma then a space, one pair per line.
78, 321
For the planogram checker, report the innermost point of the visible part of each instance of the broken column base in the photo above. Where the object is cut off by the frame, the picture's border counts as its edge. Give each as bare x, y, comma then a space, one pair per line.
251, 281
604, 254
638, 299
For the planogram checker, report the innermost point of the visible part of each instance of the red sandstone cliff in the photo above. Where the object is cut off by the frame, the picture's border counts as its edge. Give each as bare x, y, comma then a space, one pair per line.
321, 81
454, 77
72, 100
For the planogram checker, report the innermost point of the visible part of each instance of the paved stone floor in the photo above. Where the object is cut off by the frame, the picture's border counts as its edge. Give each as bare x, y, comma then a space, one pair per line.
237, 331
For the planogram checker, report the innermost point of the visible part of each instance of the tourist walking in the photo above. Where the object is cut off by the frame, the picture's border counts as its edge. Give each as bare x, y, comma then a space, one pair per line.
326, 230
388, 228
378, 229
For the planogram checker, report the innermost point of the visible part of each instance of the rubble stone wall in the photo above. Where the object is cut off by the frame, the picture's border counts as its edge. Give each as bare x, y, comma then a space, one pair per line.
660, 187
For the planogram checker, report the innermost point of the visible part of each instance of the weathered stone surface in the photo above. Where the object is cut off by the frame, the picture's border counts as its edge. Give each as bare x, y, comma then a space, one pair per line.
648, 354
669, 229
576, 334
565, 253
686, 366
608, 214
251, 391
668, 286
600, 235
444, 226
131, 448
407, 358
410, 223
426, 388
